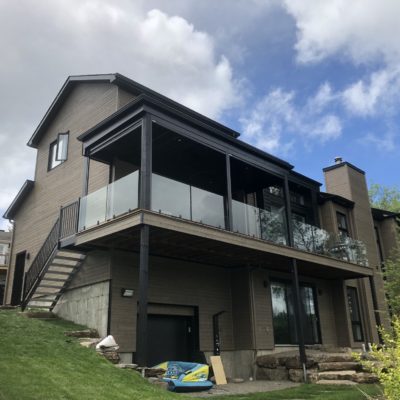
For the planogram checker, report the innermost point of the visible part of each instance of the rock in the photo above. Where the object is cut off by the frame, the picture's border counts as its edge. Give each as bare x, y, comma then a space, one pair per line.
312, 376
39, 314
338, 366
294, 362
296, 375
237, 380
127, 366
365, 377
327, 358
86, 333
152, 372
337, 375
111, 356
89, 342
272, 374
337, 382
267, 361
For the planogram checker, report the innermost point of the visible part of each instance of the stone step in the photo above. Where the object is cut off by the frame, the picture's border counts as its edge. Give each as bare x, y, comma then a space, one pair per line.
338, 366
337, 382
336, 375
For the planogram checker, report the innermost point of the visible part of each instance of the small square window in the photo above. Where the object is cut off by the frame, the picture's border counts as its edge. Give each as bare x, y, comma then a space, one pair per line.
58, 152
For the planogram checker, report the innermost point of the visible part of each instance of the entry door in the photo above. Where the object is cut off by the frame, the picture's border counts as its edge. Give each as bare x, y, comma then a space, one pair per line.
18, 279
170, 338
284, 318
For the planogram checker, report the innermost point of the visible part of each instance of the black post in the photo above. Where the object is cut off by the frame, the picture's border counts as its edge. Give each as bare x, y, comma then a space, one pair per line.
145, 164
295, 279
86, 166
229, 217
144, 203
141, 326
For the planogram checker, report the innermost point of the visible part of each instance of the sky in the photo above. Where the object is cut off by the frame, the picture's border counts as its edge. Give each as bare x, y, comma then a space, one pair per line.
305, 80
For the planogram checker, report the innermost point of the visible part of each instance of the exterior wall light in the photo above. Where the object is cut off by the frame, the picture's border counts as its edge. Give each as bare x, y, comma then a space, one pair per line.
127, 292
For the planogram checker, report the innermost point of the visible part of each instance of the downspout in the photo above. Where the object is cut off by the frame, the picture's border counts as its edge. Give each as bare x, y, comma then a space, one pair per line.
9, 262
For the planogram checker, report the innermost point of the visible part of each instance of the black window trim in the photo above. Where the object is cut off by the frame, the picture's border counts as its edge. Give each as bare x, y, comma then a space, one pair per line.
55, 143
359, 322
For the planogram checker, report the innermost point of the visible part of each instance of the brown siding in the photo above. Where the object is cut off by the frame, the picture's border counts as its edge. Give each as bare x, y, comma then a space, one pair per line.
241, 310
96, 268
87, 104
172, 282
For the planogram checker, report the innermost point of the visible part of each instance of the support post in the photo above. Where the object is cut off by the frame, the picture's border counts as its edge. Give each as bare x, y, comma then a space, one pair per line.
229, 216
86, 166
141, 325
378, 320
145, 164
295, 280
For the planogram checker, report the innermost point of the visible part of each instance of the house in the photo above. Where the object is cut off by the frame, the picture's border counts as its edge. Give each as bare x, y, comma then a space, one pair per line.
158, 225
5, 244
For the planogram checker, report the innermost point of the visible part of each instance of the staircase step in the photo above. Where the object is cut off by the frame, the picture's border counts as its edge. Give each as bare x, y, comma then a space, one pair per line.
71, 257
336, 382
41, 293
58, 272
61, 265
336, 375
50, 286
50, 279
338, 366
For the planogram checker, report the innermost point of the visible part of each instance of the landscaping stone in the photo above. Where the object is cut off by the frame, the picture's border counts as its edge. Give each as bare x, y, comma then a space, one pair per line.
127, 366
86, 333
39, 314
296, 375
337, 382
328, 358
237, 380
294, 362
267, 361
337, 375
161, 384
152, 372
111, 356
365, 377
338, 366
272, 374
89, 342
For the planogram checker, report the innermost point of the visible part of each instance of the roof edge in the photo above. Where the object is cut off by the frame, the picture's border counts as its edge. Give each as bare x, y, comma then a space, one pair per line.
19, 199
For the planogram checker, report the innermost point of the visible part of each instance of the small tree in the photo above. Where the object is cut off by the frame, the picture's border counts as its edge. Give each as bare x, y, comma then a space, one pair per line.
385, 361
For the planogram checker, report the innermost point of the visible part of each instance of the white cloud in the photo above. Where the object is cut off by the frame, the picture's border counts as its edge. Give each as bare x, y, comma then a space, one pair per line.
44, 42
277, 123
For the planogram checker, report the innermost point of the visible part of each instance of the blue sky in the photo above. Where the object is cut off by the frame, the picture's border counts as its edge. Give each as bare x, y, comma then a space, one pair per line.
304, 80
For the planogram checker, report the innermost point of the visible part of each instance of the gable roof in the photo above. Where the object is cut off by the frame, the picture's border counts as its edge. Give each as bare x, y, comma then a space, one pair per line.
125, 83
19, 198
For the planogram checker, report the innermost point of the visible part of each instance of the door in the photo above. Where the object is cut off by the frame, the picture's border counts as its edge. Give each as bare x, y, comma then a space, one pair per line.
170, 338
284, 318
18, 279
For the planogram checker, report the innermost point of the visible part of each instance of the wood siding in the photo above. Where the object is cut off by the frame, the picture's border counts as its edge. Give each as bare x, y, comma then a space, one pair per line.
87, 104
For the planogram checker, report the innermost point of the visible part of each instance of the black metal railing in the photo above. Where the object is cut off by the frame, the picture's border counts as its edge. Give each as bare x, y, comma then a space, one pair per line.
69, 220
32, 276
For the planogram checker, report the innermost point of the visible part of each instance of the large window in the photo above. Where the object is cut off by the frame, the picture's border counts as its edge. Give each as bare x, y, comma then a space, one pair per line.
355, 315
284, 318
58, 152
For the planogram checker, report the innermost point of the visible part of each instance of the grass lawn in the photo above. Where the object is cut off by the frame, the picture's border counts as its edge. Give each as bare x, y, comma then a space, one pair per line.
38, 362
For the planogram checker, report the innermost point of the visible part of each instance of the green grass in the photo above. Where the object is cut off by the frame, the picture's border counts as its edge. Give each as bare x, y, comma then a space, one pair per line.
314, 392
38, 362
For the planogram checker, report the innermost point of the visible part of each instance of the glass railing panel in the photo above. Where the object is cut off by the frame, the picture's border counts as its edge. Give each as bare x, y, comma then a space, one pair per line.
273, 225
170, 197
207, 207
262, 224
348, 249
123, 195
93, 209
246, 219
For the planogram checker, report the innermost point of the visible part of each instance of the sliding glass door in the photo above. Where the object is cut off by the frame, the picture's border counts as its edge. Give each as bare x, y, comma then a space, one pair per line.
283, 313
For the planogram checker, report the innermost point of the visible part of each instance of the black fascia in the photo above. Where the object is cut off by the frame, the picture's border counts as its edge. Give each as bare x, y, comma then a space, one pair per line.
19, 199
342, 201
59, 99
167, 118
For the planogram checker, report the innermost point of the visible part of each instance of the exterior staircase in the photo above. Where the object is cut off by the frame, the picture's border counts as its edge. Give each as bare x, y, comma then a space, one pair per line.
53, 268
55, 279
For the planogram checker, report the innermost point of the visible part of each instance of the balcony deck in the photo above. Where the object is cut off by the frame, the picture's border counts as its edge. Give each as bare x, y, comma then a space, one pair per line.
175, 237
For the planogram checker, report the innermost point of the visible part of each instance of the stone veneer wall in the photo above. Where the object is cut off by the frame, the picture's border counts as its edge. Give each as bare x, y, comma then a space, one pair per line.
87, 305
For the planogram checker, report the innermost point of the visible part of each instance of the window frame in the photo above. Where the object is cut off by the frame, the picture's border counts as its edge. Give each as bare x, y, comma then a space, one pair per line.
54, 150
342, 230
355, 322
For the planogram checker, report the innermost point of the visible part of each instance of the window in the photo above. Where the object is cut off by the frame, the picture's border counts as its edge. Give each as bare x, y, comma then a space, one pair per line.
342, 224
355, 316
58, 152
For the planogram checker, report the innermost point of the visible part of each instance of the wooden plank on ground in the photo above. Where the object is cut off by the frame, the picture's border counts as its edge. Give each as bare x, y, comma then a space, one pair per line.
218, 368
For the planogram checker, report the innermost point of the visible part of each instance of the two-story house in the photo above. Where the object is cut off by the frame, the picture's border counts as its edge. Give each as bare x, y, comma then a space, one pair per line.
158, 225
5, 245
